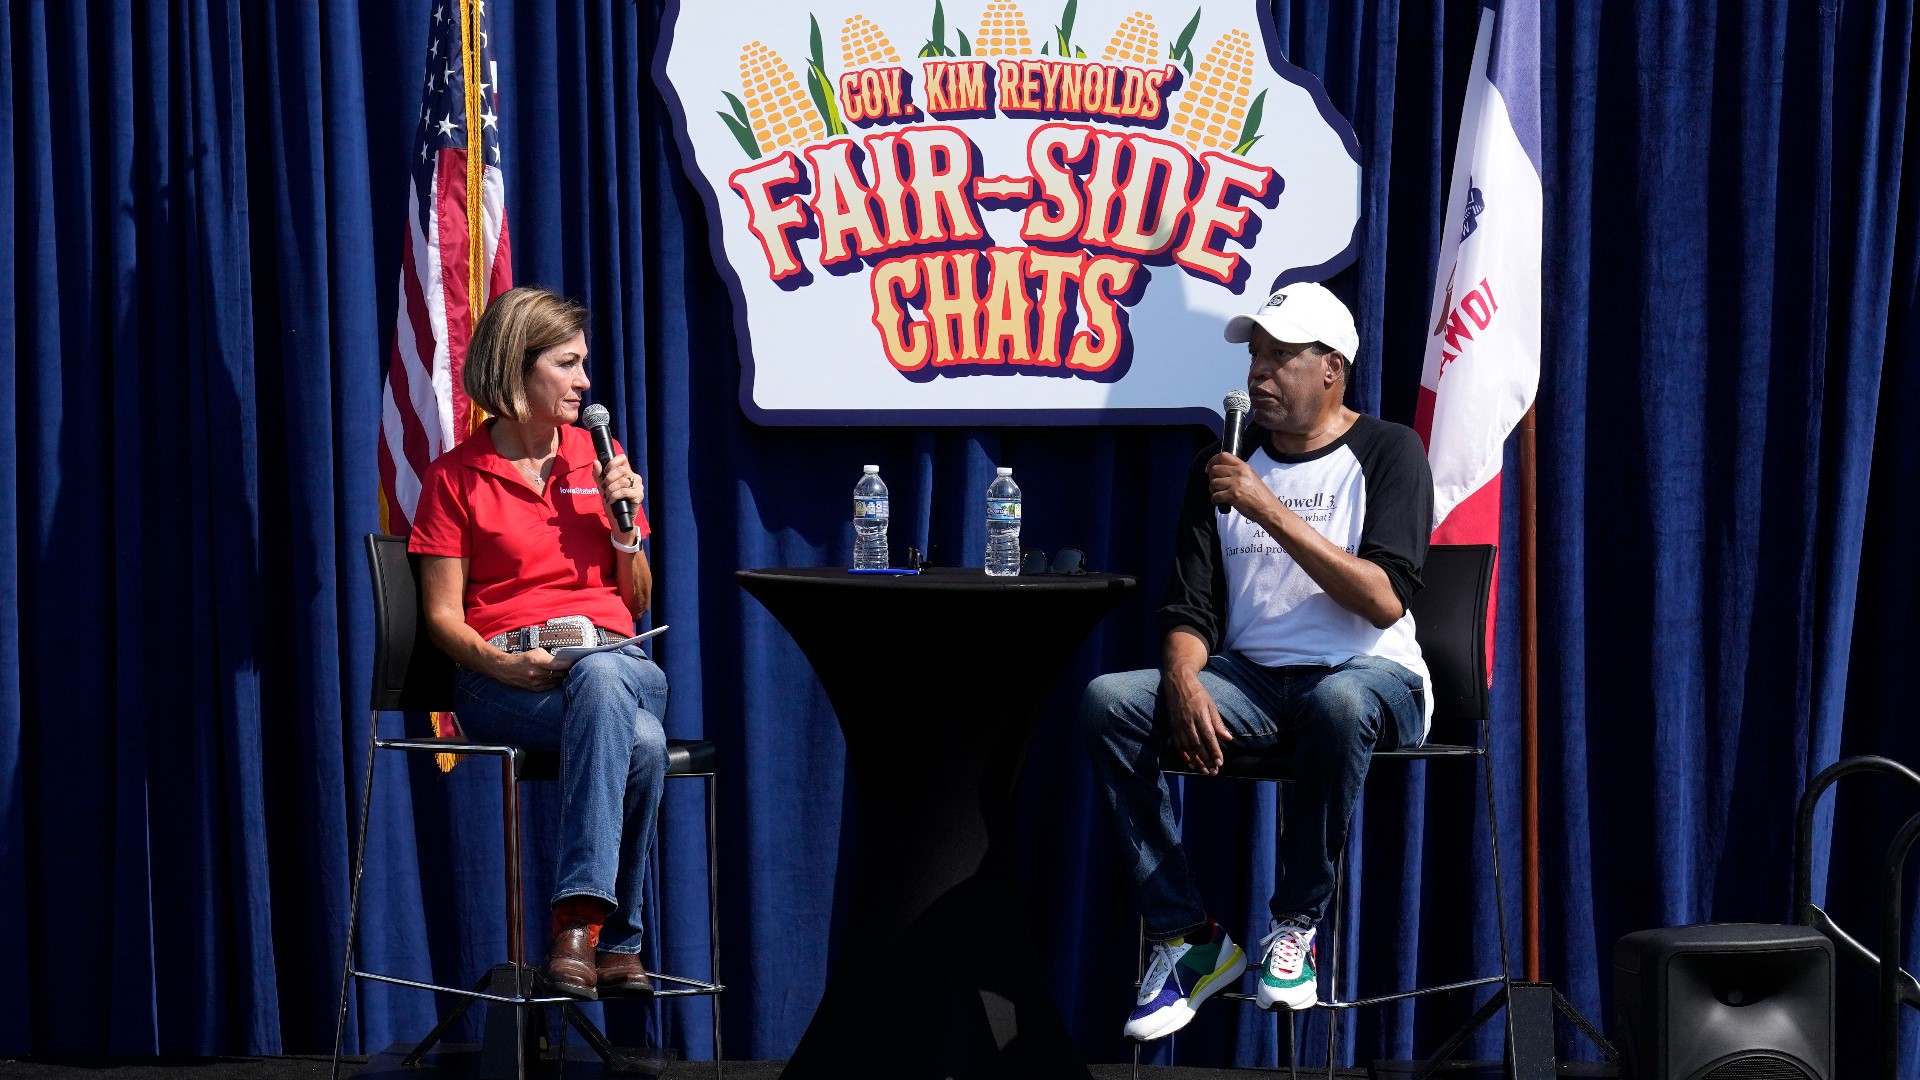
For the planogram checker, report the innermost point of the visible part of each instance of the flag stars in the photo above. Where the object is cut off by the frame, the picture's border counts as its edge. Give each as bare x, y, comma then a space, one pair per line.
433, 50
487, 119
447, 126
439, 14
447, 76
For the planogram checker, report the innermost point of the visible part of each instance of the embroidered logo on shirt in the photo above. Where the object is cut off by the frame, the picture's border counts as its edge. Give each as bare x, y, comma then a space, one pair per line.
579, 491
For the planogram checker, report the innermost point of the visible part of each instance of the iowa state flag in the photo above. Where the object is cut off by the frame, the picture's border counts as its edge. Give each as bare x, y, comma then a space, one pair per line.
1483, 351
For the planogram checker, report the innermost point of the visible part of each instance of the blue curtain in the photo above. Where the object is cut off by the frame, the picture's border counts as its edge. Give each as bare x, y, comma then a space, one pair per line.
200, 237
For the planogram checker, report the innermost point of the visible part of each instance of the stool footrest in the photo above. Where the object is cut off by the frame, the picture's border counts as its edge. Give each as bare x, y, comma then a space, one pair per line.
685, 757
478, 995
1424, 991
701, 986
1235, 995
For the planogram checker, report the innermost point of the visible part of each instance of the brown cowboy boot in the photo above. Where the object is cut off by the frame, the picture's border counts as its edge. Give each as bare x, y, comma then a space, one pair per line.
621, 975
569, 965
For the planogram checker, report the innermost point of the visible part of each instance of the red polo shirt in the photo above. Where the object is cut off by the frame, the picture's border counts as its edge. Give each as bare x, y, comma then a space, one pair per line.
531, 556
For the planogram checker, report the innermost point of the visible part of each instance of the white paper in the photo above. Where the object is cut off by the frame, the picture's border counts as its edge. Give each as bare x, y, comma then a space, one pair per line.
569, 654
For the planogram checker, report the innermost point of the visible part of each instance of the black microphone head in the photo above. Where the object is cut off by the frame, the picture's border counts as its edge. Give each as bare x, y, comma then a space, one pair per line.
597, 416
1236, 406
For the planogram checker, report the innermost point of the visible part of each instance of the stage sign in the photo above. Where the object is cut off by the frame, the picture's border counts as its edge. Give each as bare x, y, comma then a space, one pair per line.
1009, 211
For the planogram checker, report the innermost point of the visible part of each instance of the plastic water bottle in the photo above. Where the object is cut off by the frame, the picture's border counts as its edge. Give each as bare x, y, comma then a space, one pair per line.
870, 515
1003, 525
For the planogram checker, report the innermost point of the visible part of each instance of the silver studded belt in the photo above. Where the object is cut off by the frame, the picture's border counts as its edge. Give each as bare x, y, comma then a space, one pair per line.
565, 631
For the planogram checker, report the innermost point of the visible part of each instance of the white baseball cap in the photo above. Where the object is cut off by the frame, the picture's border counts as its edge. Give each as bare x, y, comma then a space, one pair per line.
1299, 313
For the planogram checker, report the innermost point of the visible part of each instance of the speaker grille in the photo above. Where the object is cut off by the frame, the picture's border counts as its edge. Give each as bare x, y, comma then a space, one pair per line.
1756, 1067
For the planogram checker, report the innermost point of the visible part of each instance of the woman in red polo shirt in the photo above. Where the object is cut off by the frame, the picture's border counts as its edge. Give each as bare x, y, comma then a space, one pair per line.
519, 555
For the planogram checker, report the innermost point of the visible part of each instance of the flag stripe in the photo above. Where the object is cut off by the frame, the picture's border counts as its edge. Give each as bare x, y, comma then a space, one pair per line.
412, 379
419, 350
502, 265
1477, 521
493, 201
450, 242
407, 441
406, 481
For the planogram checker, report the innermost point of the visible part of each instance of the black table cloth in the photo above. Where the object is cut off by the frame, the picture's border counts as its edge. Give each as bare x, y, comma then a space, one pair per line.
937, 681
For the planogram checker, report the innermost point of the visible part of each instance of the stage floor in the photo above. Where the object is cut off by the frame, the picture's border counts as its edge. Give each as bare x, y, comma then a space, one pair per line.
317, 1068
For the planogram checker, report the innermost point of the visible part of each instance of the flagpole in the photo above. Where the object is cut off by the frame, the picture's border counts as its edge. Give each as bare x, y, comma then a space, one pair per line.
1529, 704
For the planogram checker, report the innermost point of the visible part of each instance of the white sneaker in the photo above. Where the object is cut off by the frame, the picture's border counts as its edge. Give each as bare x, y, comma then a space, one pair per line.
1287, 975
1179, 977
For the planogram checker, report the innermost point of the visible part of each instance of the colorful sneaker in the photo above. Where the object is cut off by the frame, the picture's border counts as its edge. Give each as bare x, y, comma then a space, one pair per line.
1179, 977
1287, 975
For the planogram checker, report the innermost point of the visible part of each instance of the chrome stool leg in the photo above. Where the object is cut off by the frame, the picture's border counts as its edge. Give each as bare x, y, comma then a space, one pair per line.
1139, 975
1333, 922
353, 905
713, 920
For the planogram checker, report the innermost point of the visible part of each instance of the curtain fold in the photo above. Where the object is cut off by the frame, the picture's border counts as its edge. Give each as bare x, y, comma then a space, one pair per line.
200, 235
16, 1025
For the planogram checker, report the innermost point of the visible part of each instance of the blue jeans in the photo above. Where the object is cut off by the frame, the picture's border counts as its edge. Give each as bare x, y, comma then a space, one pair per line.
1331, 720
604, 720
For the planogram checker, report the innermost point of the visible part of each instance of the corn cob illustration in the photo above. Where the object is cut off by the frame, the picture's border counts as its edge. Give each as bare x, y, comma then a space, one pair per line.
1213, 106
777, 108
1135, 42
1003, 31
862, 44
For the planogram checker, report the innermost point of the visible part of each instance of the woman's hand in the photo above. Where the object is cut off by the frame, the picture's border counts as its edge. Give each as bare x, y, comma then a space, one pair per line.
618, 481
535, 669
632, 575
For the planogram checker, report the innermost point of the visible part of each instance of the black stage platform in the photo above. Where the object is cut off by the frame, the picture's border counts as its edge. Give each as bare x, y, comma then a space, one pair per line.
317, 1068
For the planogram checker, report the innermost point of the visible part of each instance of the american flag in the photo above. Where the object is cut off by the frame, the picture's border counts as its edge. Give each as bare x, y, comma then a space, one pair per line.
455, 258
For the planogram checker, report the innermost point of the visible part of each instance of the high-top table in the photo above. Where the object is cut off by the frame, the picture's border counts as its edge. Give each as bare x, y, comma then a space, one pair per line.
937, 681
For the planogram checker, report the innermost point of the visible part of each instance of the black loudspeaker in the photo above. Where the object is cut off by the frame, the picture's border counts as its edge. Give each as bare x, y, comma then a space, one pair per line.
1736, 1001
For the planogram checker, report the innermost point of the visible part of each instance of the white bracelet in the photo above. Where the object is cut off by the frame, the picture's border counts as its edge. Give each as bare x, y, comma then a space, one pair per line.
618, 546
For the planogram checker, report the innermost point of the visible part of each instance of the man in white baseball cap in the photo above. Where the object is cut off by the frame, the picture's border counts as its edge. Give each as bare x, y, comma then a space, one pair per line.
1285, 627
1304, 313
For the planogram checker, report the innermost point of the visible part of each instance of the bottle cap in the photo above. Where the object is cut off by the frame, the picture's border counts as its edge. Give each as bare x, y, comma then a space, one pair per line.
1003, 471
870, 468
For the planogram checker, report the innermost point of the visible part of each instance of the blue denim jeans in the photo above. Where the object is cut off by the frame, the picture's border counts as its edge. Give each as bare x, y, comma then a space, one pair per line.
605, 721
1331, 719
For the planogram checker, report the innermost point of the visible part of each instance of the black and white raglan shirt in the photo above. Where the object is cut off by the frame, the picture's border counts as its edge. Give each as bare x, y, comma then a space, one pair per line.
1369, 491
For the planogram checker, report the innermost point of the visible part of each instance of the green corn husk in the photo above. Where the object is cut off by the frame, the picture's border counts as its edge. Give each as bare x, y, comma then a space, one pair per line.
741, 127
1250, 131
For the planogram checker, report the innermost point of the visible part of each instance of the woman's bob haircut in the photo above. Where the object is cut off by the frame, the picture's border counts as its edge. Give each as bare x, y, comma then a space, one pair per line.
518, 326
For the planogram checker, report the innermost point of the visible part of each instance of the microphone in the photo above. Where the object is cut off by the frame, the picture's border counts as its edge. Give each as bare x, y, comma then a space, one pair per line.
1236, 405
596, 419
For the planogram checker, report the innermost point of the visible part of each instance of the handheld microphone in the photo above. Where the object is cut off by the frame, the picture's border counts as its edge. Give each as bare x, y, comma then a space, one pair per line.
596, 419
1236, 406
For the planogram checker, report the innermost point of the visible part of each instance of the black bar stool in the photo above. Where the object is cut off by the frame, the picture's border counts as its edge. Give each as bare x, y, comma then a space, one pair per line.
1450, 621
411, 675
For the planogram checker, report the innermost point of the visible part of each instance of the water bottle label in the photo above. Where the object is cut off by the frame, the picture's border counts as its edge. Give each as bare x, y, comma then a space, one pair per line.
1003, 510
874, 510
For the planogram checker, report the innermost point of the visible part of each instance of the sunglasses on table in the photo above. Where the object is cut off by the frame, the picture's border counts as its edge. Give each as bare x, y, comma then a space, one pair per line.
1033, 561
